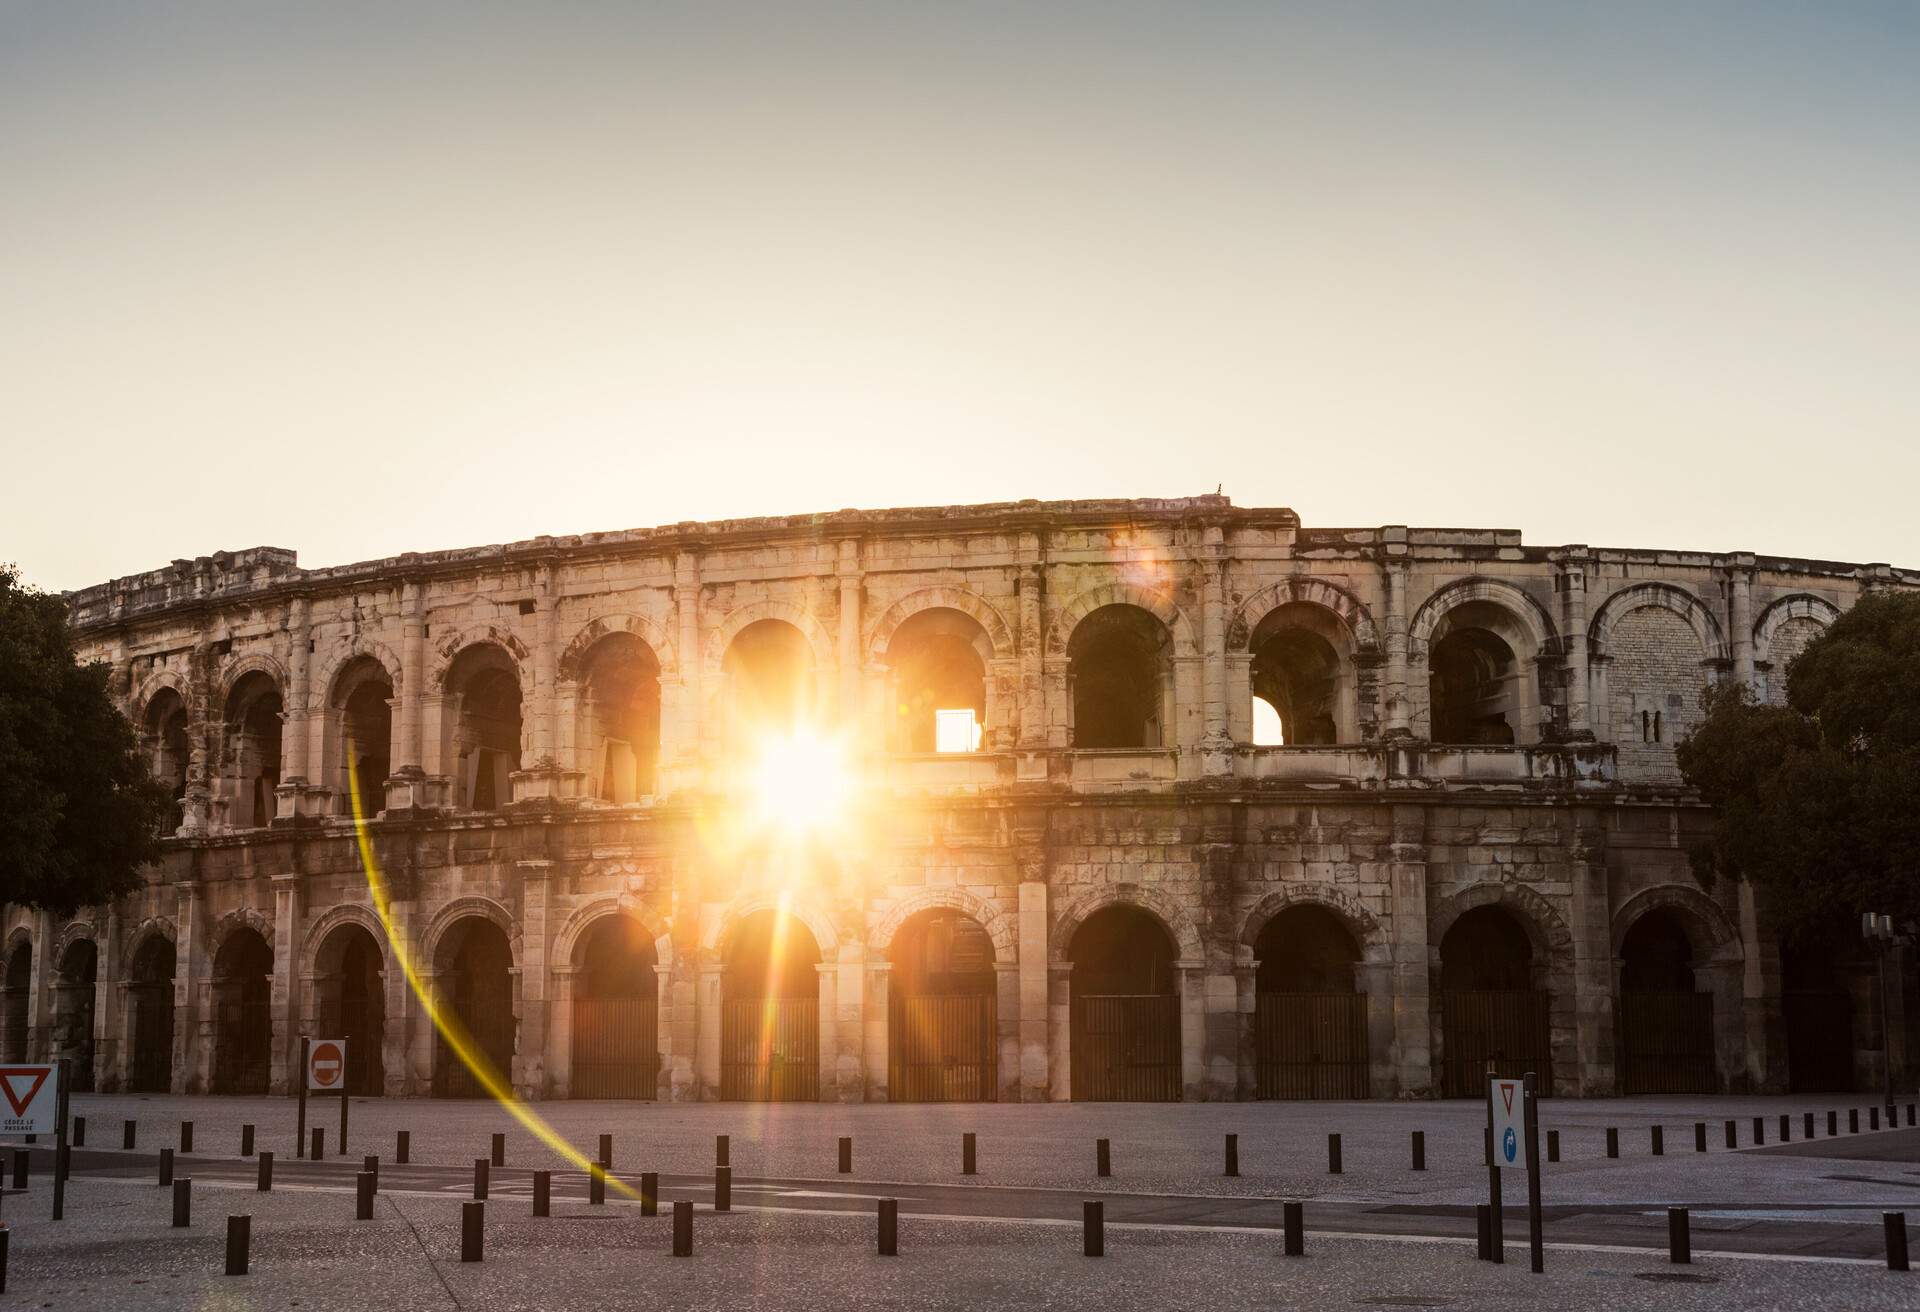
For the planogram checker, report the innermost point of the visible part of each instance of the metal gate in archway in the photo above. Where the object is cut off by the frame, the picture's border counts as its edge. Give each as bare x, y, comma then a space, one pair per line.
942, 1048
1311, 1045
1666, 1042
616, 1048
1505, 1026
1126, 1047
770, 1050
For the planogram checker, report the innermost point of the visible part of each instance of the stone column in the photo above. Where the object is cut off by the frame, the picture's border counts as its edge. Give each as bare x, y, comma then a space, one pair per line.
409, 748
1006, 1030
108, 997
1246, 988
189, 1075
1590, 919
878, 1031
1763, 1019
40, 995
197, 805
1397, 716
1035, 1003
536, 937
1573, 611
1740, 618
540, 729
828, 973
1195, 1042
675, 1027
1060, 1031
286, 999
1216, 739
847, 710
849, 1010
298, 768
1410, 1070
683, 699
707, 1047
558, 1049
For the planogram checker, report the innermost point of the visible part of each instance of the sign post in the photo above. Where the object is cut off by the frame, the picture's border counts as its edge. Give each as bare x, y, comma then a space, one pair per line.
1507, 1142
324, 1062
1536, 1248
33, 1100
300, 1126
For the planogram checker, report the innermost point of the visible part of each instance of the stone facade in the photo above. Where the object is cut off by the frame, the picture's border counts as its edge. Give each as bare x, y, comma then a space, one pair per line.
558, 726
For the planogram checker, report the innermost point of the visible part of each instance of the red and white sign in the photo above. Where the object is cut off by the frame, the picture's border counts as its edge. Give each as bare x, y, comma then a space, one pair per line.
29, 1099
327, 1065
1509, 1103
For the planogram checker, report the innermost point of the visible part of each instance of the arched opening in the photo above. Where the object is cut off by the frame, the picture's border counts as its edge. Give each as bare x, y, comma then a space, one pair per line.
937, 681
1125, 1040
348, 979
770, 1011
1490, 1009
363, 711
483, 727
73, 1010
1120, 679
1299, 678
1476, 677
165, 737
1818, 1008
250, 763
150, 1008
17, 1000
941, 1040
616, 1035
242, 1013
1310, 1019
769, 672
620, 718
1666, 1021
475, 966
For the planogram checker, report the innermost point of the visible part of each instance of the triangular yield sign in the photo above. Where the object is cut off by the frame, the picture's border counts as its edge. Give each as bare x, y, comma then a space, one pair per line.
1506, 1094
12, 1077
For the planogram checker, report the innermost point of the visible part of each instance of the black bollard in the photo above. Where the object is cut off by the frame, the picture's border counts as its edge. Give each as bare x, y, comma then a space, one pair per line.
246, 1141
317, 1151
402, 1141
480, 1179
1613, 1142
1679, 1236
1786, 1128
889, 1227
1293, 1229
499, 1150
543, 1193
239, 1238
1658, 1135
1699, 1136
127, 1130
265, 1184
20, 1168
968, 1154
473, 1229
79, 1132
597, 1185
1873, 1118
183, 1201
1733, 1134
1483, 1230
720, 1150
186, 1136
1895, 1224
371, 1165
1333, 1154
606, 1151
649, 1193
166, 1169
1232, 1155
846, 1156
1759, 1130
1833, 1124
5, 1235
723, 1188
1910, 1115
1102, 1157
1853, 1120
363, 1197
1806, 1126
1093, 1224
1553, 1145
682, 1228
1419, 1150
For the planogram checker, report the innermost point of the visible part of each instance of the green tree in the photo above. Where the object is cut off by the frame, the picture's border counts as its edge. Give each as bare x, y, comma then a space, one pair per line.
79, 811
1818, 801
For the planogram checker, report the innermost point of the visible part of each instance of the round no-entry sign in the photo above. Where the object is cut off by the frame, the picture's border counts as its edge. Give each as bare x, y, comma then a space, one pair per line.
326, 1064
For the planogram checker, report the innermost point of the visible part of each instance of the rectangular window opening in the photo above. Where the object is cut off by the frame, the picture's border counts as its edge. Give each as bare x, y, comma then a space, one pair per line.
956, 731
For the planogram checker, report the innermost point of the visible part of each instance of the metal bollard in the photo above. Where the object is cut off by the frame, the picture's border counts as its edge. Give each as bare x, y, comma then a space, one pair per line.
1833, 1123
499, 1150
649, 1193
1733, 1134
889, 1227
1232, 1155
968, 1154
1093, 1223
183, 1201
721, 1149
371, 1165
4, 1237
480, 1179
402, 1141
597, 1185
1293, 1229
1895, 1224
246, 1141
543, 1193
79, 1132
265, 1184
1658, 1135
1759, 1130
846, 1156
1786, 1128
682, 1228
1873, 1118
606, 1151
473, 1230
127, 1132
166, 1169
1679, 1236
1553, 1145
1102, 1157
1333, 1154
318, 1149
239, 1239
20, 1168
1806, 1126
1853, 1120
1699, 1136
1613, 1142
1483, 1230
363, 1197
186, 1136
1419, 1150
1910, 1115
723, 1188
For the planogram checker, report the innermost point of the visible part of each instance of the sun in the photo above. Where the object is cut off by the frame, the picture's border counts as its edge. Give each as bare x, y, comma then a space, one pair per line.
801, 782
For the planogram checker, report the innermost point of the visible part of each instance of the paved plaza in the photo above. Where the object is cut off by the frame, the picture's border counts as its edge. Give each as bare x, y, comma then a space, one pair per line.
1794, 1225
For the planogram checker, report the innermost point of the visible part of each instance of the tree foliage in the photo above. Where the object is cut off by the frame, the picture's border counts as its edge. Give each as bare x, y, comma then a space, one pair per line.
1818, 801
79, 811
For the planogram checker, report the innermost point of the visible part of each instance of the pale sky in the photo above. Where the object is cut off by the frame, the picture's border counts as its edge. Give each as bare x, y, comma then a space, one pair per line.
362, 279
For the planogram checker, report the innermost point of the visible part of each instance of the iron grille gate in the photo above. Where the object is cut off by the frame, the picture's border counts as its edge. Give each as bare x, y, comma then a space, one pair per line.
243, 1036
1819, 1041
1126, 1048
1666, 1042
616, 1048
1311, 1045
770, 1050
1508, 1026
492, 1028
152, 1070
942, 1048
